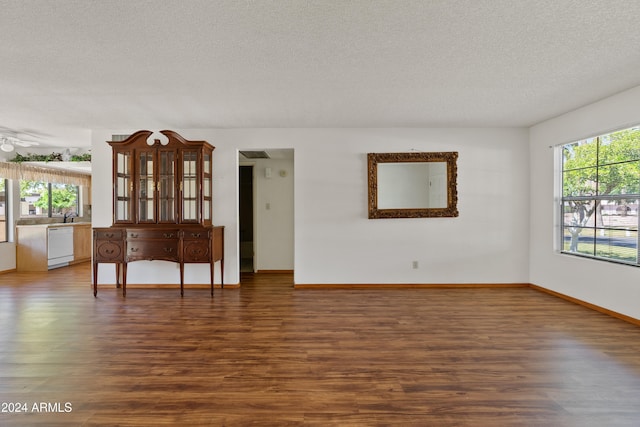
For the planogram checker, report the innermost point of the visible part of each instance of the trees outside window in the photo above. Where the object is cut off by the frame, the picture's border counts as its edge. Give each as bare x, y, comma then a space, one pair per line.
41, 199
600, 196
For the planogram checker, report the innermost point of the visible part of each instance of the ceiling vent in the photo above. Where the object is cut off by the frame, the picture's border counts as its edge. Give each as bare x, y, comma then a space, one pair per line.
255, 154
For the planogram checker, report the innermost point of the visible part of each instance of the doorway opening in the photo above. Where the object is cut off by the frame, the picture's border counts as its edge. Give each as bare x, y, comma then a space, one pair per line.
266, 210
245, 208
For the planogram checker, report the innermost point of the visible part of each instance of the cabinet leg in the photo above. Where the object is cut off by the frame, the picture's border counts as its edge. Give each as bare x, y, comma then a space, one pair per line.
181, 279
117, 275
124, 279
95, 279
212, 268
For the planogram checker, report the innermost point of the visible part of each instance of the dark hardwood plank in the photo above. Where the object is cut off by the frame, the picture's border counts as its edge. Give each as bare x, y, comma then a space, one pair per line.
268, 354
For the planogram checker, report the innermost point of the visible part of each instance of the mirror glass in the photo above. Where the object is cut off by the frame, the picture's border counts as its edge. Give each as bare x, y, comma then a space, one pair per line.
412, 185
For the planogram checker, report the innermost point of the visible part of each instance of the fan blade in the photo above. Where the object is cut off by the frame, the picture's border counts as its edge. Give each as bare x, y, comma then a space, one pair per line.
25, 143
24, 135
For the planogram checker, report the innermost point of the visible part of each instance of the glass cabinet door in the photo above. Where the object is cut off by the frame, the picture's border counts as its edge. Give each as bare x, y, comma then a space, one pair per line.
146, 187
123, 187
190, 190
207, 191
166, 186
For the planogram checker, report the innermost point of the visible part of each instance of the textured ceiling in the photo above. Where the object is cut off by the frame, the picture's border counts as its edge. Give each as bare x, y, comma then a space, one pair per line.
69, 66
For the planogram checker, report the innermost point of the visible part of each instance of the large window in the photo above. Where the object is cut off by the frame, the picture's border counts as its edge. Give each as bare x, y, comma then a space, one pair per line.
43, 199
4, 210
600, 195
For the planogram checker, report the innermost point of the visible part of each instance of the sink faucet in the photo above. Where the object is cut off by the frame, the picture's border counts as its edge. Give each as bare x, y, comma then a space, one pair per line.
66, 216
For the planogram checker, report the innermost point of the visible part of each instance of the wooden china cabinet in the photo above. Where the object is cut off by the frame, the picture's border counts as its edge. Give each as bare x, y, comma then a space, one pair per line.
162, 206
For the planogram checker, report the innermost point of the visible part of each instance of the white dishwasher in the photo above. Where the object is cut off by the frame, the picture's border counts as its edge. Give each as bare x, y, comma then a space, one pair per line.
59, 246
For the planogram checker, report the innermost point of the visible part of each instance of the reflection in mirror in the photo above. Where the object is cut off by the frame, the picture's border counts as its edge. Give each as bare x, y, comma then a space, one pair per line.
412, 185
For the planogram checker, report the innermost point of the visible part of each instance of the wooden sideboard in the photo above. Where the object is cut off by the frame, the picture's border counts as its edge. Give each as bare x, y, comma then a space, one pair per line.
162, 206
182, 244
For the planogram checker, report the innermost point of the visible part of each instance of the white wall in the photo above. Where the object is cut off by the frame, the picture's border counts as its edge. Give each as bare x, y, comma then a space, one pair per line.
611, 286
335, 242
274, 232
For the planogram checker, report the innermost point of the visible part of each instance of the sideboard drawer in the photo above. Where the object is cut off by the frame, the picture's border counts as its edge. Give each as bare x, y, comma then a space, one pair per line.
196, 250
152, 234
201, 234
108, 234
109, 251
147, 249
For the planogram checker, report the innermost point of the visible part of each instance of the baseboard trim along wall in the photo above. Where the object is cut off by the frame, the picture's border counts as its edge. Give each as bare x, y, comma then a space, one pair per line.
588, 305
274, 272
407, 285
597, 308
168, 286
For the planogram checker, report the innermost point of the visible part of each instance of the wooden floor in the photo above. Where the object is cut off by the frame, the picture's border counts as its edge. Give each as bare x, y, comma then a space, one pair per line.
267, 354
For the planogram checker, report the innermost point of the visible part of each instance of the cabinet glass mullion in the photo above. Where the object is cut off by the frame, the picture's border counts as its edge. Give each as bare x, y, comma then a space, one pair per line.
146, 187
123, 187
166, 187
207, 191
190, 190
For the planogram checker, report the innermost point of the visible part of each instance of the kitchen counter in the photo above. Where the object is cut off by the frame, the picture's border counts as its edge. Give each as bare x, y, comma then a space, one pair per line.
55, 224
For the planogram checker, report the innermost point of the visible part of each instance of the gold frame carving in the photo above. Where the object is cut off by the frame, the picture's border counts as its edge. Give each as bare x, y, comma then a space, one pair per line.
449, 157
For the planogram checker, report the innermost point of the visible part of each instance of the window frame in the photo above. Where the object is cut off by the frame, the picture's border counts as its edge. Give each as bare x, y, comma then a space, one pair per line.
597, 198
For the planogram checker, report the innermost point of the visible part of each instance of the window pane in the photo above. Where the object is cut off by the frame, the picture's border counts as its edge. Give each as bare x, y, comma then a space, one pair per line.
620, 146
64, 200
579, 213
621, 245
579, 154
621, 178
579, 240
620, 214
580, 182
34, 199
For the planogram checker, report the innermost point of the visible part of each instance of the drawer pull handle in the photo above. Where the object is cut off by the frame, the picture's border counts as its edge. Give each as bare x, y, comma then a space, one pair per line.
134, 249
134, 235
109, 251
168, 249
167, 235
109, 235
195, 234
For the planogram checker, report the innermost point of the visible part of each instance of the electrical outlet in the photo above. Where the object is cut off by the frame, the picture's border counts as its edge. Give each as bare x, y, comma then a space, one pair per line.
414, 265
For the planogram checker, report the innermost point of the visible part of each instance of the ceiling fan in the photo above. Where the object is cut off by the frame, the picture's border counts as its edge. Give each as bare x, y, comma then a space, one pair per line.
10, 138
8, 143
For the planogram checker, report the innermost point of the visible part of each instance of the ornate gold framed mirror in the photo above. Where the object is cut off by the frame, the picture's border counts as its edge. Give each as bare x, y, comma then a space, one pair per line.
413, 185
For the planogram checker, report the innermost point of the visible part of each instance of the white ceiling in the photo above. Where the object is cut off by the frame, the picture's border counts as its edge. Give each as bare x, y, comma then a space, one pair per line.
69, 66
